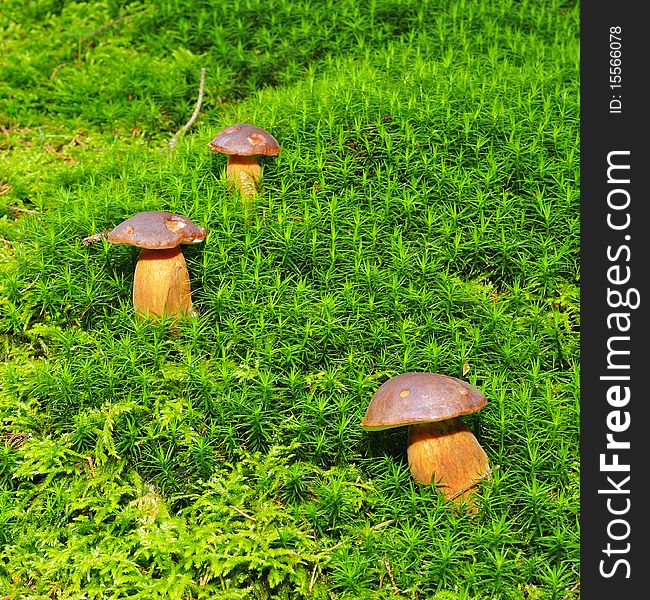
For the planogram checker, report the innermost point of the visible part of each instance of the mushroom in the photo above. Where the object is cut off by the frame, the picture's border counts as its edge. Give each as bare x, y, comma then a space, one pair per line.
161, 284
440, 445
243, 143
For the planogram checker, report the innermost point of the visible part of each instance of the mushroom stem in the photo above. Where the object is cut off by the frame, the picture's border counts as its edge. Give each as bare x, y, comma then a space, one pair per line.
447, 453
245, 172
161, 284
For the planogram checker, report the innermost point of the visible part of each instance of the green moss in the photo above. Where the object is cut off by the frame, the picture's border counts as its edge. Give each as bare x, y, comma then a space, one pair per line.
423, 215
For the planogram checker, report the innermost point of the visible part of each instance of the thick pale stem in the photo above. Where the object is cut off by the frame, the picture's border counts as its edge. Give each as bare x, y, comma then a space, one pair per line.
161, 285
245, 172
448, 454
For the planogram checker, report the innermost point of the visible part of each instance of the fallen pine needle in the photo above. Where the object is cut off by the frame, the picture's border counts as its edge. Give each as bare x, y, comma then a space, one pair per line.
312, 581
243, 514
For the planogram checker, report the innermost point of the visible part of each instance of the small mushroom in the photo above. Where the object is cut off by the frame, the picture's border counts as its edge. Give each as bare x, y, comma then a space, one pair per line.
161, 284
244, 143
440, 446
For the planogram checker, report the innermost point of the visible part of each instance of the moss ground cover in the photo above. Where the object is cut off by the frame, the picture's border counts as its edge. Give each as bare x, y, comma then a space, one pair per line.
422, 215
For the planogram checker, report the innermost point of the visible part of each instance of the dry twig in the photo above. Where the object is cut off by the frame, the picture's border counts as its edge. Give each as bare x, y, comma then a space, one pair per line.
19, 209
195, 114
95, 237
390, 574
110, 24
91, 465
16, 440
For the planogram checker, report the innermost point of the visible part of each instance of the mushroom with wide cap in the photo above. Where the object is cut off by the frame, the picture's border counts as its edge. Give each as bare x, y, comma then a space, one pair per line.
161, 284
441, 449
243, 144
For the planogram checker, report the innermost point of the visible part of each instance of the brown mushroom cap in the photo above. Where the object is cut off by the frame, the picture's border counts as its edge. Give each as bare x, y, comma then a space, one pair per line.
412, 398
243, 139
156, 231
